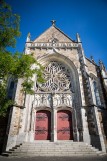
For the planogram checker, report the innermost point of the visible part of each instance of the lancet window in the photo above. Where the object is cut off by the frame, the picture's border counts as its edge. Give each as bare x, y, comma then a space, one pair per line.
96, 93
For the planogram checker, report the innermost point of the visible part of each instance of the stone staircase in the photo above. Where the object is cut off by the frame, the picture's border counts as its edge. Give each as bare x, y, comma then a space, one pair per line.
60, 148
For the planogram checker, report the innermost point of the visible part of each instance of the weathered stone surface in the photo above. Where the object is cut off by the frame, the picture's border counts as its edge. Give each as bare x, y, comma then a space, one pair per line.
81, 72
91, 67
51, 33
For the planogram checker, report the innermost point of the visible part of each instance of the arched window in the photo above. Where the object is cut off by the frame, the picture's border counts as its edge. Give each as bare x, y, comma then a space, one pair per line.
96, 93
10, 91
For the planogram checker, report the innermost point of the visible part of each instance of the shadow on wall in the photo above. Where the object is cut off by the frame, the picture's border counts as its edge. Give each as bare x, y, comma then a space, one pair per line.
3, 127
95, 141
104, 122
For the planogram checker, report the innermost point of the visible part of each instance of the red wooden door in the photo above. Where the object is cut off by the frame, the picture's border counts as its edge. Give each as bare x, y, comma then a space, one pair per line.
43, 125
64, 125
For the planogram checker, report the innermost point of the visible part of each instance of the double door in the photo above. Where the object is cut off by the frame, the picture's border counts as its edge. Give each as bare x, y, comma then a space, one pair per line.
44, 122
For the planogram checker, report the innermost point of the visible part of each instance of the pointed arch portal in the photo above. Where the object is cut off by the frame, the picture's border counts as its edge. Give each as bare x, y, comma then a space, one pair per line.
56, 91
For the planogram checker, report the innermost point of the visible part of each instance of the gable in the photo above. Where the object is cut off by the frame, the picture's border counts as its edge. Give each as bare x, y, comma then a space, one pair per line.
53, 34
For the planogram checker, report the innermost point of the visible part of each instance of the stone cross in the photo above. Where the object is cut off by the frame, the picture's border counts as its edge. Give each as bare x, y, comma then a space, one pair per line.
53, 22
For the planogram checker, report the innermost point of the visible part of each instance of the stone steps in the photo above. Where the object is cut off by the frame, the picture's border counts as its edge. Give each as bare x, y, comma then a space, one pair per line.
65, 148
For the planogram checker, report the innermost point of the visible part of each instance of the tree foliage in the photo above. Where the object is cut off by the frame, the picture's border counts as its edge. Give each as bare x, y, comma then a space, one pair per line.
17, 65
4, 101
9, 26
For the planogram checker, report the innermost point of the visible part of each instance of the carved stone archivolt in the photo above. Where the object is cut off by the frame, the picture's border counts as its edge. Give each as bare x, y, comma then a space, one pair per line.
58, 93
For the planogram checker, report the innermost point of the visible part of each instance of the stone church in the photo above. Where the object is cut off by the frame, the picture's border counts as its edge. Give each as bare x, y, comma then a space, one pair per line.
71, 105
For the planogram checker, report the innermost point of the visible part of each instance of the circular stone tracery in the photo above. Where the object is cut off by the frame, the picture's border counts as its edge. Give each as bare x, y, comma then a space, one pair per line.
57, 78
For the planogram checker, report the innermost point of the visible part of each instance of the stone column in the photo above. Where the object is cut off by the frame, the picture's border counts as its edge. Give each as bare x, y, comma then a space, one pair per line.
53, 120
55, 124
32, 125
99, 130
26, 117
52, 117
74, 124
86, 136
85, 131
32, 114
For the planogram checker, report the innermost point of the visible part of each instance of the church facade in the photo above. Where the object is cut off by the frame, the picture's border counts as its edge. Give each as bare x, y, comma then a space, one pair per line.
72, 102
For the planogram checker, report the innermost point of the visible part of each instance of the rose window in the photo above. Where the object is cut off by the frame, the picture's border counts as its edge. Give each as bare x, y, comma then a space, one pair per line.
57, 78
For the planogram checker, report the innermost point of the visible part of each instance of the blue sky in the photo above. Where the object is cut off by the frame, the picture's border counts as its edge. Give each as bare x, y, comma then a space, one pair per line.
87, 17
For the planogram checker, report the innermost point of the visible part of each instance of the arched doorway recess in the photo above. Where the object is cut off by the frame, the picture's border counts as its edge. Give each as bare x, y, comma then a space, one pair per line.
60, 89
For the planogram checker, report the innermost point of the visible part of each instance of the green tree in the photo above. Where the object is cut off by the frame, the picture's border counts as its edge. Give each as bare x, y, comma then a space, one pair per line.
9, 26
15, 65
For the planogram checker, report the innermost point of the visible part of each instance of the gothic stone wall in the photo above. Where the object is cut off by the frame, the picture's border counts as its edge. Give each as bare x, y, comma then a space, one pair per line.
39, 53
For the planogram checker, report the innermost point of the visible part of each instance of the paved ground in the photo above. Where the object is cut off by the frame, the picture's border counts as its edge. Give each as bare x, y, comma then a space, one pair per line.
104, 158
